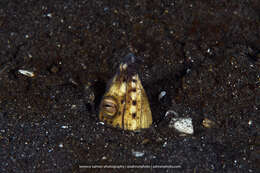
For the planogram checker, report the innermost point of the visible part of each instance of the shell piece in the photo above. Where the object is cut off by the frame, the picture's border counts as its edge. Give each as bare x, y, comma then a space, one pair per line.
161, 95
26, 73
125, 104
183, 125
137, 153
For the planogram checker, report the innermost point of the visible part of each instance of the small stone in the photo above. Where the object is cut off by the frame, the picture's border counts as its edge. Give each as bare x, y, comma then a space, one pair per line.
164, 144
89, 93
145, 141
29, 55
208, 123
159, 139
54, 69
106, 9
73, 106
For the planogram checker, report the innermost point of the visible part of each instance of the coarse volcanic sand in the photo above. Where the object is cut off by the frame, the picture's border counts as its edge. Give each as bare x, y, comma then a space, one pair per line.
204, 54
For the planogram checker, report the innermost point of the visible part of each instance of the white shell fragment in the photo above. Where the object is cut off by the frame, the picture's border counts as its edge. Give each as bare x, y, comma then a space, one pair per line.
183, 125
161, 95
137, 153
171, 112
102, 123
64, 127
26, 73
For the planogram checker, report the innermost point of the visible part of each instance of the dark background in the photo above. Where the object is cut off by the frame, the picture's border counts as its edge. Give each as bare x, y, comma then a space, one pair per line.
204, 54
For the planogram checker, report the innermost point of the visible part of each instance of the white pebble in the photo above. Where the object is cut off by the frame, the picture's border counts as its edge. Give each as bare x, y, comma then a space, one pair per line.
164, 144
49, 15
29, 55
61, 145
183, 125
73, 106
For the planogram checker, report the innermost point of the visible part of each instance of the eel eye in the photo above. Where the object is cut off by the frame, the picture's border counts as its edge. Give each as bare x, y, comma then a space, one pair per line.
109, 106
